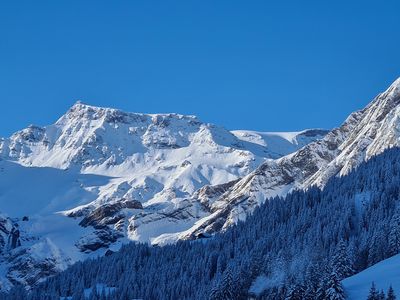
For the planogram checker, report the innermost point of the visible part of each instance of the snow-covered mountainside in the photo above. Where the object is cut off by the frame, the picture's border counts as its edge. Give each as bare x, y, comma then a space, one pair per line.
280, 143
100, 177
384, 274
365, 133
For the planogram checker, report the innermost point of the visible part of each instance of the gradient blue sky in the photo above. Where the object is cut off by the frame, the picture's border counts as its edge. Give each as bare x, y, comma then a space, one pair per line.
262, 65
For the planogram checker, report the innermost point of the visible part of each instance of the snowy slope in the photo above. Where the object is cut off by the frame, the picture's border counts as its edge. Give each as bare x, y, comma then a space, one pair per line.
280, 143
383, 274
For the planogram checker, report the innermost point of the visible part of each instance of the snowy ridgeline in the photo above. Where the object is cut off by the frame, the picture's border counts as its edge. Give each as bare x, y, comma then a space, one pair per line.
384, 274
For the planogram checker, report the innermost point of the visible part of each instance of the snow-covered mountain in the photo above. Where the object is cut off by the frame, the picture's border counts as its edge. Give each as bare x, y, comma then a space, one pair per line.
100, 177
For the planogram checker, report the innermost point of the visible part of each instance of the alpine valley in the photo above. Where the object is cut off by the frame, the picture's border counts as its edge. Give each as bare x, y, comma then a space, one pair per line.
100, 178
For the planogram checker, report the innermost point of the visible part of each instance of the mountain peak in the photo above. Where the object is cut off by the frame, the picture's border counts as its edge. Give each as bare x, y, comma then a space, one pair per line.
82, 110
78, 105
394, 89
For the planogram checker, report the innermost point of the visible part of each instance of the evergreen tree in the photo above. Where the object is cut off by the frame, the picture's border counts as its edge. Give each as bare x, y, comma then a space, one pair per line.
227, 286
334, 288
311, 282
373, 293
390, 294
394, 233
295, 292
342, 265
381, 295
216, 292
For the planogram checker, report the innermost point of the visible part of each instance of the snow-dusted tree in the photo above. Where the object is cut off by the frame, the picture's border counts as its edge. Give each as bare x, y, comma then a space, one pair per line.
377, 246
225, 289
381, 295
390, 294
228, 284
334, 288
373, 293
394, 233
341, 264
312, 280
295, 292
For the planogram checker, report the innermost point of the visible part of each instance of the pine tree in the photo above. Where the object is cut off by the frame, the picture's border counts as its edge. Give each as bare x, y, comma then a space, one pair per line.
381, 295
373, 293
228, 285
342, 264
390, 294
311, 282
394, 233
225, 289
322, 287
334, 288
295, 292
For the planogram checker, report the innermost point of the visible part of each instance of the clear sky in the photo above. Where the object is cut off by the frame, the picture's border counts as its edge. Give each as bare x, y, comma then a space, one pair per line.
262, 65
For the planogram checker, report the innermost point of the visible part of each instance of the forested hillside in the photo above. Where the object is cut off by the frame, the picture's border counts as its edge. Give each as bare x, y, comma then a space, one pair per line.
298, 247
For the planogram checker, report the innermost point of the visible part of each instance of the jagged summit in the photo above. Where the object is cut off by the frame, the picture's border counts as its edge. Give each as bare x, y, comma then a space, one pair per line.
394, 89
91, 112
87, 135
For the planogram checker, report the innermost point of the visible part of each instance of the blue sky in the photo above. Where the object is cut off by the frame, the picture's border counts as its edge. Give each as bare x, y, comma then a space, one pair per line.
262, 65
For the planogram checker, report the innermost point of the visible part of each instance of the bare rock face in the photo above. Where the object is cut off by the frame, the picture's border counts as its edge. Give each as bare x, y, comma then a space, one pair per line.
100, 238
108, 214
5, 230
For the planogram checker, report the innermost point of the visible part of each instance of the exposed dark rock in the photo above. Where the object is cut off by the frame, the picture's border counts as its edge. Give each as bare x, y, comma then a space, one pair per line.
13, 238
99, 239
108, 214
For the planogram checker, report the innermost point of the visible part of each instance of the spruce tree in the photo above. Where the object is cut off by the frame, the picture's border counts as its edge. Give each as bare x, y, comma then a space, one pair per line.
342, 264
334, 288
394, 233
373, 293
390, 294
381, 295
295, 292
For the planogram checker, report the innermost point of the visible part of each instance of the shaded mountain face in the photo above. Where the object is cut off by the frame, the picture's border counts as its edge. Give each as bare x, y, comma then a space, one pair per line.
101, 177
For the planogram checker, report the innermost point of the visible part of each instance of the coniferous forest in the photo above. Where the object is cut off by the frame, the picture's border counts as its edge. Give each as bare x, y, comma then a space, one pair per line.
298, 247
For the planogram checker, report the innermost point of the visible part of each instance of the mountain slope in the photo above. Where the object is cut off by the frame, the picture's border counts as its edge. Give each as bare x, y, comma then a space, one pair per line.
280, 143
364, 134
